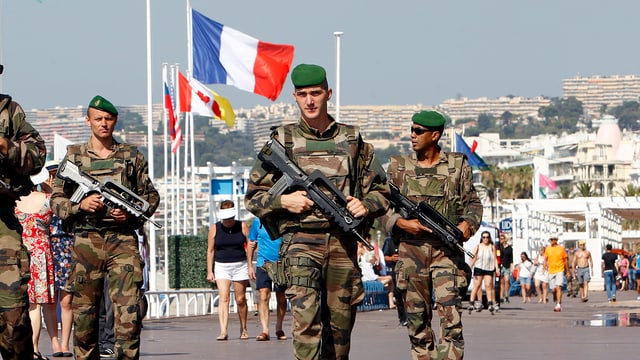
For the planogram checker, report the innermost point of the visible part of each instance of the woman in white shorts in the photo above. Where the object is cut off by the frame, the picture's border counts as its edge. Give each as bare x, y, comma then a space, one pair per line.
540, 277
227, 264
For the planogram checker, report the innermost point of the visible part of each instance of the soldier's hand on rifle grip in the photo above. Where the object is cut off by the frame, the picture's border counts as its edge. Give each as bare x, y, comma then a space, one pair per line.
91, 203
119, 215
4, 146
297, 202
356, 207
412, 226
466, 230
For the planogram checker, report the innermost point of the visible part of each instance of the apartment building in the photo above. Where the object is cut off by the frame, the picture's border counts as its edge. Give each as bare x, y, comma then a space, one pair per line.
465, 108
596, 91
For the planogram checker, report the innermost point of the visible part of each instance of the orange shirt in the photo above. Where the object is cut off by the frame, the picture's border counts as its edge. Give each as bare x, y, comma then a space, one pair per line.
556, 257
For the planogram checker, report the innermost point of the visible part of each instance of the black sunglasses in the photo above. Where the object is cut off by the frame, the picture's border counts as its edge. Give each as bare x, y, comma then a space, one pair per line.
419, 130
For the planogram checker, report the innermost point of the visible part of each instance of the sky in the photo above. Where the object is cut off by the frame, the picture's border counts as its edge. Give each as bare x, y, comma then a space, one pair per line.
63, 52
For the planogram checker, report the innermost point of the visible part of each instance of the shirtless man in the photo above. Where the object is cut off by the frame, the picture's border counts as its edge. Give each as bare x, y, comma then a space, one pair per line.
583, 266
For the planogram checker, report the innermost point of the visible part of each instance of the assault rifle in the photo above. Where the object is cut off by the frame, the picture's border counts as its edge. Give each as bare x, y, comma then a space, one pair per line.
113, 194
275, 155
429, 217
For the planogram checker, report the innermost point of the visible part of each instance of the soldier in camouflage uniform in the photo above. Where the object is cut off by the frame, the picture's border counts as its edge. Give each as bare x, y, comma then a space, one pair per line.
105, 240
319, 259
444, 180
22, 153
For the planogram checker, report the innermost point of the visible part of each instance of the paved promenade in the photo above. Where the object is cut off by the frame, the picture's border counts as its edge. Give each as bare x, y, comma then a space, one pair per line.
592, 330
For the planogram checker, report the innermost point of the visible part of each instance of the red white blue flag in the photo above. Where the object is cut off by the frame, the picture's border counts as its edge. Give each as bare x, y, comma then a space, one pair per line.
175, 132
223, 55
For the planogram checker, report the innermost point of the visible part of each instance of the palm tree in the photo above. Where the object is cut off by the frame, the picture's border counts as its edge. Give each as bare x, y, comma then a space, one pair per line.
585, 190
565, 192
631, 190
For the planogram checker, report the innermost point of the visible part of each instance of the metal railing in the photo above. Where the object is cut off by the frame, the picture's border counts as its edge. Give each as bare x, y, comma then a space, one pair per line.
196, 302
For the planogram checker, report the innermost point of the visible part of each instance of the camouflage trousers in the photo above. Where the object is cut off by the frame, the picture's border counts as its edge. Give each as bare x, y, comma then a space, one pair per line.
324, 289
94, 254
15, 334
421, 269
15, 325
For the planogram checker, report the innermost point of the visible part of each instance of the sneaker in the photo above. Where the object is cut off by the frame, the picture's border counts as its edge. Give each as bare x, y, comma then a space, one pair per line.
613, 299
496, 307
558, 308
506, 299
470, 308
638, 298
107, 354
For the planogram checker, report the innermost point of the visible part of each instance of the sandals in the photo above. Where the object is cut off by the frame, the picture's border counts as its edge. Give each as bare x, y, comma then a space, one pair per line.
39, 356
222, 337
244, 336
280, 335
263, 337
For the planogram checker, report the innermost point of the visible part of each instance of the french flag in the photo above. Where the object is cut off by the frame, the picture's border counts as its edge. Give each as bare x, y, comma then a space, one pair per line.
222, 55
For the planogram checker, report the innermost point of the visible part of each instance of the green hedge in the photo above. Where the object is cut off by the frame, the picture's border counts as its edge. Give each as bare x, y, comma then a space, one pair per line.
188, 262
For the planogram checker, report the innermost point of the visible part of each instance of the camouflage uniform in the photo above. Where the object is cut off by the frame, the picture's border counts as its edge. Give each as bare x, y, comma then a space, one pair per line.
320, 260
426, 263
25, 156
102, 245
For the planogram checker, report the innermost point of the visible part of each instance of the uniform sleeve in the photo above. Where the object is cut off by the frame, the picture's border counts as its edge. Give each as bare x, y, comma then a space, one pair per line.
60, 198
470, 202
374, 184
145, 188
257, 198
26, 151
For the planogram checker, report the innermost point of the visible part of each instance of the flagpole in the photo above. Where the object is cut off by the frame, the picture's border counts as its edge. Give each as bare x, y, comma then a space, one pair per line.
152, 230
185, 182
175, 183
193, 152
535, 192
165, 203
338, 34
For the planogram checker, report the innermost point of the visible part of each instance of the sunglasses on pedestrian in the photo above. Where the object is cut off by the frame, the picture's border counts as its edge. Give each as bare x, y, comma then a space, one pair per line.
419, 130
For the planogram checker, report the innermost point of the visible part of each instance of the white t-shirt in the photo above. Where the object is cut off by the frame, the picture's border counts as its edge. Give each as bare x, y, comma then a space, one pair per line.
524, 270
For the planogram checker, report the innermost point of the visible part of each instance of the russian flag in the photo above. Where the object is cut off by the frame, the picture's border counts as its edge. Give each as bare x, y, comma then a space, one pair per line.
222, 55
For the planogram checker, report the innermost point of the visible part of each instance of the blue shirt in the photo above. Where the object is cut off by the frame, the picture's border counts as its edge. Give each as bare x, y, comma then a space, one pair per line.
267, 248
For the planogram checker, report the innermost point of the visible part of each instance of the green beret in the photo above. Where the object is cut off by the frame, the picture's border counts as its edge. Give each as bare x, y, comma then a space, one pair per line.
100, 103
430, 119
305, 75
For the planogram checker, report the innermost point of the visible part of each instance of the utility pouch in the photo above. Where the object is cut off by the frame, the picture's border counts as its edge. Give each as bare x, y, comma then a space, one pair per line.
276, 272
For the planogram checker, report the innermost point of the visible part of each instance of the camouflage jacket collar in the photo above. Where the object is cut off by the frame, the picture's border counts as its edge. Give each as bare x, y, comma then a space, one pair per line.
330, 132
442, 158
5, 100
90, 149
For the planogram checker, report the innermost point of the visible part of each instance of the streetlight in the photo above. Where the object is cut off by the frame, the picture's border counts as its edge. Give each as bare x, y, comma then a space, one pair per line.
337, 34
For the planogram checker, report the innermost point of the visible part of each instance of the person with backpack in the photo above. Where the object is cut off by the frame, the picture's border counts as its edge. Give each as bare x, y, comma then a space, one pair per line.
22, 154
319, 257
443, 180
105, 238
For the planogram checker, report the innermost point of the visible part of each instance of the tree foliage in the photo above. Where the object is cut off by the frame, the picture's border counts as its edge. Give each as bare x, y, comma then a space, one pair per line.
628, 115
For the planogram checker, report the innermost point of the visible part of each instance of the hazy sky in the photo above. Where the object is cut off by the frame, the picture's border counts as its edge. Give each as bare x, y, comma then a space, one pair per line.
63, 52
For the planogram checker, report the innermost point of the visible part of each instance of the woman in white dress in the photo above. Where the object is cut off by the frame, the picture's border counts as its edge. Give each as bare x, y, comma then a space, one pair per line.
540, 277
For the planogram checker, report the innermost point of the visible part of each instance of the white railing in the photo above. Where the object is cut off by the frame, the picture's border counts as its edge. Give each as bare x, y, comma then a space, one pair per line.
196, 302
